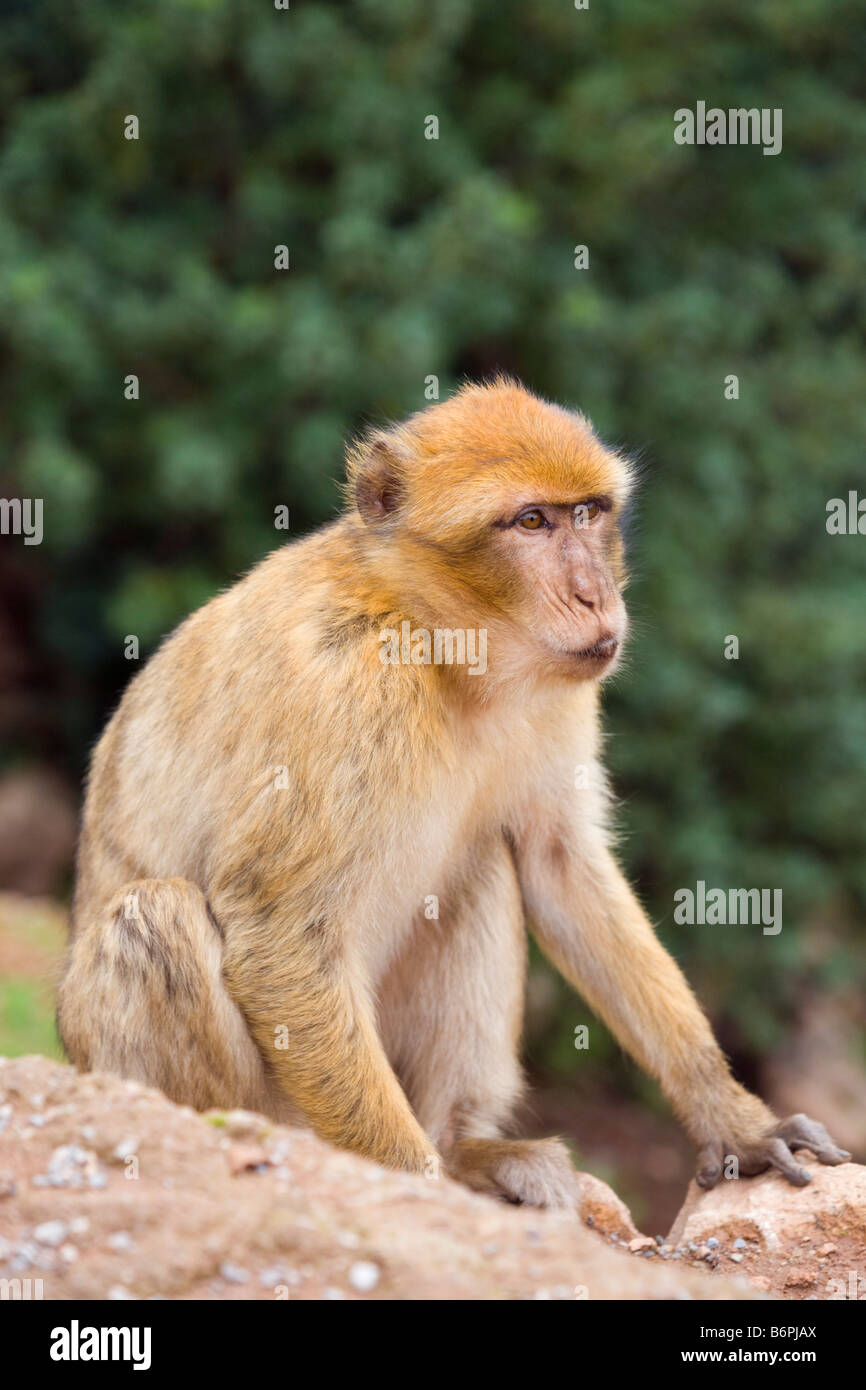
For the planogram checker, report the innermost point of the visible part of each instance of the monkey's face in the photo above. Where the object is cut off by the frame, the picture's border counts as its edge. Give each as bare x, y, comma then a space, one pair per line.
565, 563
498, 510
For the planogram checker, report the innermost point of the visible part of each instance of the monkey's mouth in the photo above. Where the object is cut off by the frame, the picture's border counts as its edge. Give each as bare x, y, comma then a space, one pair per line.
601, 651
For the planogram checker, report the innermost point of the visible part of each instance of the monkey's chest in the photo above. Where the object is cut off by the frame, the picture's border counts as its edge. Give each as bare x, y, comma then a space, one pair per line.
426, 878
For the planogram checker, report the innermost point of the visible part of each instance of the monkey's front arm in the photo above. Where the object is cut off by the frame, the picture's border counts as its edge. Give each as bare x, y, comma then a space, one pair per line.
595, 932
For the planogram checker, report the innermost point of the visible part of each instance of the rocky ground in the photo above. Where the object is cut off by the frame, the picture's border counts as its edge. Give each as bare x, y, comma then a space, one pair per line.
109, 1191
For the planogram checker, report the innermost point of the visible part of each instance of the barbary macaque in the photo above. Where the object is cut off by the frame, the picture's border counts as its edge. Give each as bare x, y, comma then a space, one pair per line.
274, 807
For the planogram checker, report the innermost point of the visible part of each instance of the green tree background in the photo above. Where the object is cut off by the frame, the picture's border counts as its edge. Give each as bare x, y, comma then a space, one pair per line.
454, 257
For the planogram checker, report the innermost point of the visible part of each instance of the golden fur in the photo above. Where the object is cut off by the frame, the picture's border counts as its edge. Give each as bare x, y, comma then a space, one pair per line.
270, 808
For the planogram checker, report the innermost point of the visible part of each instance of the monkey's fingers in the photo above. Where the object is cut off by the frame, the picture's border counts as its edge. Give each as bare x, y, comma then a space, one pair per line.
710, 1159
799, 1132
779, 1156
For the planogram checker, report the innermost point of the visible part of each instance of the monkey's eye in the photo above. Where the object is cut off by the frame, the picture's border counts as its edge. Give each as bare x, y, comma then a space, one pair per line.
533, 520
585, 512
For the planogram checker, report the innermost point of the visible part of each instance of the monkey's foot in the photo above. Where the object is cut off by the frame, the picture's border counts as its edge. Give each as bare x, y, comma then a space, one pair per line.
774, 1150
535, 1172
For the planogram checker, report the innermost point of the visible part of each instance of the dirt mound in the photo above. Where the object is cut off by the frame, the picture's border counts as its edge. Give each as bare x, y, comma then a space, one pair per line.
108, 1190
111, 1191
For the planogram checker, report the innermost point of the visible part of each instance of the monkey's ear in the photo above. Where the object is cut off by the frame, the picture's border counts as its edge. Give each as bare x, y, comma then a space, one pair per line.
379, 481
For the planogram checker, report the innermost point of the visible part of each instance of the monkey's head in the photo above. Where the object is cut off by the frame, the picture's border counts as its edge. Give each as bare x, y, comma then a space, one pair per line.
496, 508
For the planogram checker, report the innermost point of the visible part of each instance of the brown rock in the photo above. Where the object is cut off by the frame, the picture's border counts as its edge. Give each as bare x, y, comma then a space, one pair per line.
770, 1210
604, 1211
784, 1224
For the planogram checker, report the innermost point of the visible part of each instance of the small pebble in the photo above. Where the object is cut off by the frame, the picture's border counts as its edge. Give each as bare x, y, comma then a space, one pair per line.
712, 1242
51, 1233
364, 1276
70, 1166
640, 1243
234, 1274
739, 1243
242, 1123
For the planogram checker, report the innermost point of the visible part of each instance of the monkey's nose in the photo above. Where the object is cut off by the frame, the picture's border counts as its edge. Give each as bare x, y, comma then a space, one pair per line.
585, 592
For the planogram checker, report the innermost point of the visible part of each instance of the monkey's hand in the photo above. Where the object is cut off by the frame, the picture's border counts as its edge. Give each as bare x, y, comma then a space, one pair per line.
774, 1149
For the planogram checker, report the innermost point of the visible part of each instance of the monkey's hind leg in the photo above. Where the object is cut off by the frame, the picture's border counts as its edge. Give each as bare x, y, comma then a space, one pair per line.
536, 1172
143, 997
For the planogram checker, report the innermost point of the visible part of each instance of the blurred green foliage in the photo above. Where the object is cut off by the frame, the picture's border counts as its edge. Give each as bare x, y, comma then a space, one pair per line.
26, 1020
454, 257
